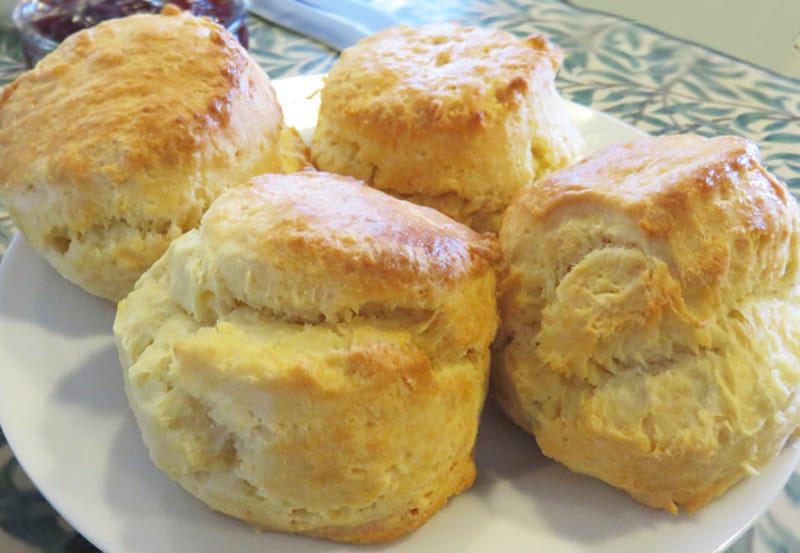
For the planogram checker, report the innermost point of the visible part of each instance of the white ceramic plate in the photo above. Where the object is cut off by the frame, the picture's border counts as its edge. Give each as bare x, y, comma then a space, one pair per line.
64, 413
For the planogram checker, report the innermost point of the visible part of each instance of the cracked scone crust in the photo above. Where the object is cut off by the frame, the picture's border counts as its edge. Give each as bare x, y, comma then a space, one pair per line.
453, 117
651, 317
117, 142
314, 358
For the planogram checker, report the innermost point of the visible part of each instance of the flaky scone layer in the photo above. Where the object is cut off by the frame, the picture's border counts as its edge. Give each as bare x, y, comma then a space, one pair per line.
314, 358
650, 316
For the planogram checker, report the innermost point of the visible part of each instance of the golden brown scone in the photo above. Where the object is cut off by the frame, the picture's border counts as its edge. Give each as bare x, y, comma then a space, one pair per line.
314, 358
453, 117
651, 314
117, 142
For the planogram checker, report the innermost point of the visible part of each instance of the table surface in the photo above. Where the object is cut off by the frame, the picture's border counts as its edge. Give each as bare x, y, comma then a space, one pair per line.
657, 82
768, 36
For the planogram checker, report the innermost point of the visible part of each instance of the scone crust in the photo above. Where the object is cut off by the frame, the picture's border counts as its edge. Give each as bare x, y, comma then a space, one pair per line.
116, 142
422, 79
724, 226
314, 357
450, 116
340, 256
650, 316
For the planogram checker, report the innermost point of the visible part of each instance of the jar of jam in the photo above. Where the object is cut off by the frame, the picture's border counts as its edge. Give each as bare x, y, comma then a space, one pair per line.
43, 24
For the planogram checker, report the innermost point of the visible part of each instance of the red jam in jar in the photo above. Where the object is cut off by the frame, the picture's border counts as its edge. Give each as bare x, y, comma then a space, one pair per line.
45, 23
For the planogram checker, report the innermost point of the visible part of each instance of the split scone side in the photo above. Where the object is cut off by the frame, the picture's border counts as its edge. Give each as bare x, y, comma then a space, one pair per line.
651, 317
453, 117
117, 142
314, 357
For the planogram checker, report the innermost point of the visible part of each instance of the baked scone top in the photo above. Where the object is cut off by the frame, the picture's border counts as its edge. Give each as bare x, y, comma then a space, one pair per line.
723, 225
118, 103
317, 245
425, 77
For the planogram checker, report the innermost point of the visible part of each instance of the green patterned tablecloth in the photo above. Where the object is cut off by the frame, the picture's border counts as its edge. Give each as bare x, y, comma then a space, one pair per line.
655, 82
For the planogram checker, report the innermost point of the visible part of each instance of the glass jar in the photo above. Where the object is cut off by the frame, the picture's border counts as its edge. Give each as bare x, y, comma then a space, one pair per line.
43, 24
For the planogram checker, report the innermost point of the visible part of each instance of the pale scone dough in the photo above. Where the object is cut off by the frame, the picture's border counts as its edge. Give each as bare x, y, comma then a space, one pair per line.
314, 358
651, 317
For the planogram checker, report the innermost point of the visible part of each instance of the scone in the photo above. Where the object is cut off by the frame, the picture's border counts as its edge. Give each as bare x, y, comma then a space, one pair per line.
453, 117
651, 317
314, 357
117, 142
